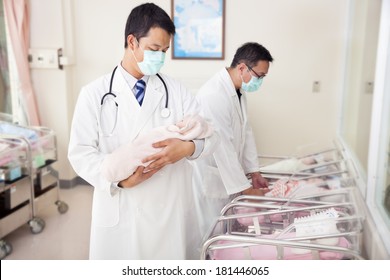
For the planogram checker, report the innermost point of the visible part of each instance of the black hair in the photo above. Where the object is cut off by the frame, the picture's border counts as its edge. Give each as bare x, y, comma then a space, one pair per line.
251, 53
146, 16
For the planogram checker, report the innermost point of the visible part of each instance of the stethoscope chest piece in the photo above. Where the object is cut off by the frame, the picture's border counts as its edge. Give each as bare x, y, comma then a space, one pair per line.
165, 113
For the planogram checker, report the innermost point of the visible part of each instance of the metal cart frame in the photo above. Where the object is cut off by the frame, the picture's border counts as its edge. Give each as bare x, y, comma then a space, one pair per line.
44, 185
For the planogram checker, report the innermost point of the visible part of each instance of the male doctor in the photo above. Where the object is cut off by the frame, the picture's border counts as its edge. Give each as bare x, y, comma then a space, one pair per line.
150, 214
233, 169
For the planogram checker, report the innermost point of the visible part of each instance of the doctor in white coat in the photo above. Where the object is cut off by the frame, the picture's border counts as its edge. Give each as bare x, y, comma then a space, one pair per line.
149, 215
233, 169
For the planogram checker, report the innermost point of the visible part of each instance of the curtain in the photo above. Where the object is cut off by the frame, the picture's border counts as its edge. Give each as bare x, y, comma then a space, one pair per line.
5, 92
17, 16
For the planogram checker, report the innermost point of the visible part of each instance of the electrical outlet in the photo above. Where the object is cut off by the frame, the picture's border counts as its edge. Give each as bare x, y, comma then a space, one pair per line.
44, 58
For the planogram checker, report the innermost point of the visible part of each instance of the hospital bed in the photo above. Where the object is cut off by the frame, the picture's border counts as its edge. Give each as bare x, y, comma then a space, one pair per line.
27, 178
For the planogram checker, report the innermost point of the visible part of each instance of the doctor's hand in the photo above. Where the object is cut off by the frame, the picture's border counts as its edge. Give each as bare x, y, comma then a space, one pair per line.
253, 191
137, 177
258, 181
173, 150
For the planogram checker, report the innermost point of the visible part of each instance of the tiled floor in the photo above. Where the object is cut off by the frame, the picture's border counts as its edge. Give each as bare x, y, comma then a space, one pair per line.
65, 236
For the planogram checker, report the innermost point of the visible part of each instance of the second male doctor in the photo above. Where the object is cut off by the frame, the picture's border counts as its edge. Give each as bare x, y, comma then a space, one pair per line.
223, 99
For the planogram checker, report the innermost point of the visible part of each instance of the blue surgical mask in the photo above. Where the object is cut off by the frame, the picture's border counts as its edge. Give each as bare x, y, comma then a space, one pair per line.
253, 85
152, 63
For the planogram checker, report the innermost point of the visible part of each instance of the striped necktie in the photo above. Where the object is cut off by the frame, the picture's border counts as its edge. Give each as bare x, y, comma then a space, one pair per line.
140, 91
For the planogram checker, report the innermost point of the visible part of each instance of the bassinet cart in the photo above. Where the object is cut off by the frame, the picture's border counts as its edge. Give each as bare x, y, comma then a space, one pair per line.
16, 190
278, 228
310, 213
40, 152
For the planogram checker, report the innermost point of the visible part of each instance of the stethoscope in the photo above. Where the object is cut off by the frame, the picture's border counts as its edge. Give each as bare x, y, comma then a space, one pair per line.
165, 112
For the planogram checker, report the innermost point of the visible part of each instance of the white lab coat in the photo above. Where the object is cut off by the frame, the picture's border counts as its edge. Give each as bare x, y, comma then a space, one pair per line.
218, 178
155, 219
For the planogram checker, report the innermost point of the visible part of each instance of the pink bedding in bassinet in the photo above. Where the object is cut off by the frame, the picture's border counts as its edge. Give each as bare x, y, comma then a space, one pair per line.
5, 160
5, 156
269, 252
277, 217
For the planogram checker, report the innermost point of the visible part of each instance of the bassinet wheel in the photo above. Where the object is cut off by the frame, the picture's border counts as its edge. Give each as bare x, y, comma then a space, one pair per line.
36, 225
62, 206
5, 249
3, 253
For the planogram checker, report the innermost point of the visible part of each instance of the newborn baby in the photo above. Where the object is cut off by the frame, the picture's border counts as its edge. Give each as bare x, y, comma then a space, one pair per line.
304, 188
122, 162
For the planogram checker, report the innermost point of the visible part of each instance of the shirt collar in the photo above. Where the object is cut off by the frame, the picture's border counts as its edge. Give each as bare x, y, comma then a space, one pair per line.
131, 80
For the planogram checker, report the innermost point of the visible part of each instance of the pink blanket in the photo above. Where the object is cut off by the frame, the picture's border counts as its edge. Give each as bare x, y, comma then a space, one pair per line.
276, 217
5, 160
122, 162
269, 252
298, 188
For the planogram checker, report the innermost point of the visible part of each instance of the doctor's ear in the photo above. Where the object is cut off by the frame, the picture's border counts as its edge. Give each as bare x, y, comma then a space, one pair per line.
241, 67
132, 41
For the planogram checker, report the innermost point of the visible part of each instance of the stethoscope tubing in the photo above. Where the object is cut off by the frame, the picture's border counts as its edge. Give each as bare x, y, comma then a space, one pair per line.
110, 88
114, 95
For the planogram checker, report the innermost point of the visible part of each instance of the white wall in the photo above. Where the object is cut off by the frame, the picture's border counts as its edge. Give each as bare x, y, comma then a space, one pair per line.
362, 47
306, 38
52, 87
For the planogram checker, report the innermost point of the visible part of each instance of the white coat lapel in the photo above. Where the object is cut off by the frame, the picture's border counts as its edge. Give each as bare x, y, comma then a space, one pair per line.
152, 100
237, 106
243, 104
128, 107
227, 81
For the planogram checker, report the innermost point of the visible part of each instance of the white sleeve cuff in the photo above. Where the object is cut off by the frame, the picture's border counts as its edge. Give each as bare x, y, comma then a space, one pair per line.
199, 146
114, 189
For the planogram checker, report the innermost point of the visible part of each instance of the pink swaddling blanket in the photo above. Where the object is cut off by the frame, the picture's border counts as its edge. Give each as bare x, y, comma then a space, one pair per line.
122, 162
6, 157
276, 217
291, 188
269, 252
306, 188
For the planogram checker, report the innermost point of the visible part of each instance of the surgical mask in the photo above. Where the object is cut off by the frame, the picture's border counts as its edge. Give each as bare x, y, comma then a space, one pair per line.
152, 63
253, 85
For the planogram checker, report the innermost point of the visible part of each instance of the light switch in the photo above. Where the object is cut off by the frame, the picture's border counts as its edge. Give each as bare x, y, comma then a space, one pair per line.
369, 87
316, 86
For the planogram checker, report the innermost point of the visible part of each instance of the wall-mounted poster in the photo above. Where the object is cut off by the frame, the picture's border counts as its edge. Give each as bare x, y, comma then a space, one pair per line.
199, 29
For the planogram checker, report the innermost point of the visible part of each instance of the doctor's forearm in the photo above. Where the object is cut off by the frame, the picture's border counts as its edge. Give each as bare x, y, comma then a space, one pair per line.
137, 177
173, 150
180, 150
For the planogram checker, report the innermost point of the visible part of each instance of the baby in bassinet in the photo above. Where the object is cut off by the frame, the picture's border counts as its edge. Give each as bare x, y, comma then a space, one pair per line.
122, 162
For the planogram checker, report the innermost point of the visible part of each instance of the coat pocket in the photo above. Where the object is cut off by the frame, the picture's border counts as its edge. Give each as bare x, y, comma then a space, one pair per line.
105, 211
212, 185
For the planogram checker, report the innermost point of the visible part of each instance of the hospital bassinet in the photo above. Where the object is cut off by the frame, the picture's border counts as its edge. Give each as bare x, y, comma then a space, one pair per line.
325, 164
278, 228
310, 213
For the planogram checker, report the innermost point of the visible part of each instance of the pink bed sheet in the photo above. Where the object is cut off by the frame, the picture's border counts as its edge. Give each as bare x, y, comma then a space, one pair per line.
269, 252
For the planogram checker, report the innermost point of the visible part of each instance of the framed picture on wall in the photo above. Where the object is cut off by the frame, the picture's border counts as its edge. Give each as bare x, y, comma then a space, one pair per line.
199, 29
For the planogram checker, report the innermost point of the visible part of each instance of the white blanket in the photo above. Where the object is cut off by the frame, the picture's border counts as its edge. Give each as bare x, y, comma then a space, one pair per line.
122, 162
